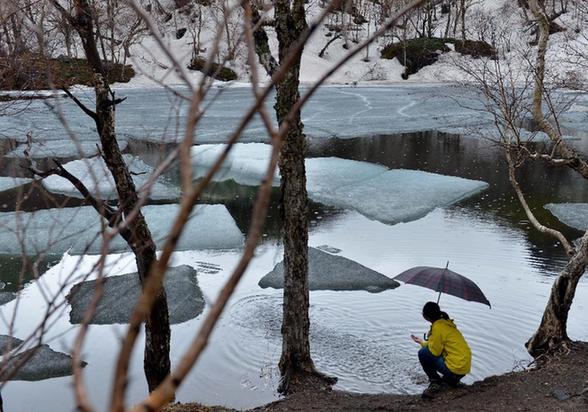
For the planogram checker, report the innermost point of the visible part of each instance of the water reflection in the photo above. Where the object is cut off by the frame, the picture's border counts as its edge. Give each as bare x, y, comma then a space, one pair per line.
18, 271
441, 153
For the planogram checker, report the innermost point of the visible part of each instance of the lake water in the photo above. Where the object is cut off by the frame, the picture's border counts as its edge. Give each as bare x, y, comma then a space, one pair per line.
360, 337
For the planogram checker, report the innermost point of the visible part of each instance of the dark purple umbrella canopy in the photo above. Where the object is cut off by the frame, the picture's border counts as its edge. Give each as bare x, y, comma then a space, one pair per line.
443, 280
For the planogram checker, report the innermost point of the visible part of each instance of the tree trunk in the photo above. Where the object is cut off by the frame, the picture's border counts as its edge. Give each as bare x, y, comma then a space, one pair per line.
290, 24
446, 35
553, 328
578, 163
156, 363
463, 18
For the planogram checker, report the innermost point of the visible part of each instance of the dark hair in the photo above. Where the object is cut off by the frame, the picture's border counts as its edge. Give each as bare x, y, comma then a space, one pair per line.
432, 312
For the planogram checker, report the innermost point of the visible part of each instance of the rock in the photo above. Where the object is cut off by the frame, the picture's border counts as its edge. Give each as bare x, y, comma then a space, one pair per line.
560, 394
7, 343
184, 297
180, 33
328, 272
33, 364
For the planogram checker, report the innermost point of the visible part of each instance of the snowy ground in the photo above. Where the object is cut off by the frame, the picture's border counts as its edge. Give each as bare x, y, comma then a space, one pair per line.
503, 16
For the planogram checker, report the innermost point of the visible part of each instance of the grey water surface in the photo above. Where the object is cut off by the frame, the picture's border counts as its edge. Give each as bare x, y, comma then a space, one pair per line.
360, 337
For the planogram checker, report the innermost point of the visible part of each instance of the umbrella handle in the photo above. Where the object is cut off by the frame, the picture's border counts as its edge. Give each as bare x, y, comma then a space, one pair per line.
438, 297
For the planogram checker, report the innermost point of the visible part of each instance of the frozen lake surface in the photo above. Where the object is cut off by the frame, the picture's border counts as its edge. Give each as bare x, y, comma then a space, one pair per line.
156, 115
360, 337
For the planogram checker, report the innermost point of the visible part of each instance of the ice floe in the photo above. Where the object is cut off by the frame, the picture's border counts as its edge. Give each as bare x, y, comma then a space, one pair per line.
77, 230
246, 163
98, 179
572, 214
389, 196
7, 183
61, 149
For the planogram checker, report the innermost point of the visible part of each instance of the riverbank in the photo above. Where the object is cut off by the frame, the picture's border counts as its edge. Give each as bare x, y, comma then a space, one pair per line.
558, 383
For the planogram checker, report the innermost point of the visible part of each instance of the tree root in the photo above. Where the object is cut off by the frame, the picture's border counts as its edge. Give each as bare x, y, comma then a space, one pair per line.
552, 351
299, 379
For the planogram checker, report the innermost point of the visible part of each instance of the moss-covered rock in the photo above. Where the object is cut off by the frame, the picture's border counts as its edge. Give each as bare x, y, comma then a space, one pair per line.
34, 72
417, 53
474, 48
215, 70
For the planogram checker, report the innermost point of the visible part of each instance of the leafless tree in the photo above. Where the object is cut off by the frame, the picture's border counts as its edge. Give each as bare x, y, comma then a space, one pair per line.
513, 94
127, 219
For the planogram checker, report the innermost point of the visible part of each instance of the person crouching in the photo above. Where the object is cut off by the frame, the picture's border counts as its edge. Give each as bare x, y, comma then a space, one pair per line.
445, 351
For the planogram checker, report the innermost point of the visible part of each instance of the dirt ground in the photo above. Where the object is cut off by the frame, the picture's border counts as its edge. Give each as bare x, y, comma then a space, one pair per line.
559, 383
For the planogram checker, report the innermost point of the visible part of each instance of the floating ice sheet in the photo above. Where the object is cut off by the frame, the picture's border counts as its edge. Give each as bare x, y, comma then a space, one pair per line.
96, 177
44, 363
184, 297
155, 114
246, 163
392, 196
572, 214
329, 272
389, 196
60, 149
77, 230
7, 182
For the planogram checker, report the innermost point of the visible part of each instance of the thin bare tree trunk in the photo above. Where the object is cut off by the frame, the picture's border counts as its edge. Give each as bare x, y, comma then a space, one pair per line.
156, 361
463, 14
552, 330
578, 164
290, 24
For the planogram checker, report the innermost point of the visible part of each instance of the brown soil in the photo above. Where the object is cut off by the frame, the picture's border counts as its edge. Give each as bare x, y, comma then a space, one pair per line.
557, 383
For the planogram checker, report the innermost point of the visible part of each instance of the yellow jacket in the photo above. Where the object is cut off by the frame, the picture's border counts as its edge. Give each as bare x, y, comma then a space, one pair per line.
447, 341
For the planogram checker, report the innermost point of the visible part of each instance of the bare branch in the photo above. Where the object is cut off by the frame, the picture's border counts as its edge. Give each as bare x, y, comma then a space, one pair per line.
541, 228
577, 162
81, 105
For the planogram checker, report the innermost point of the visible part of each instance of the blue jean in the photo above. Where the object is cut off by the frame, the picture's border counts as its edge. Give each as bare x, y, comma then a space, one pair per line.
433, 365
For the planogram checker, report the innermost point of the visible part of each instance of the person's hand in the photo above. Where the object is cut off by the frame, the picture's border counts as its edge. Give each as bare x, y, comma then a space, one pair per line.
417, 339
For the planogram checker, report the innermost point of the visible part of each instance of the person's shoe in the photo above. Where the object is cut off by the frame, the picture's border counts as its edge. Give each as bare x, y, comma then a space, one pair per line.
434, 388
452, 383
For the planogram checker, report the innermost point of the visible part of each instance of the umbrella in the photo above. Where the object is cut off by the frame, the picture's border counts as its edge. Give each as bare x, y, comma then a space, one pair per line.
443, 280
